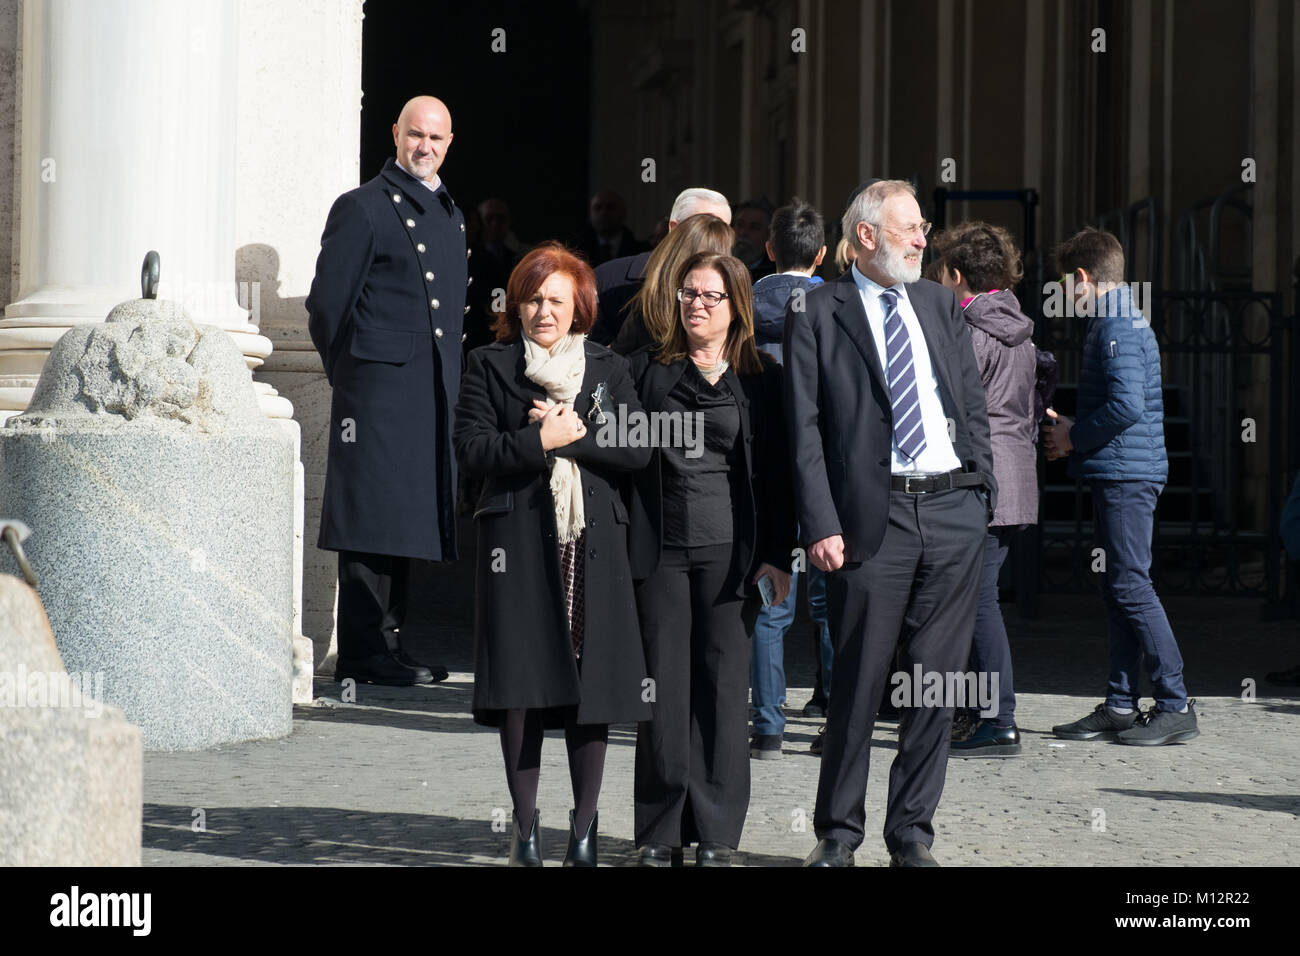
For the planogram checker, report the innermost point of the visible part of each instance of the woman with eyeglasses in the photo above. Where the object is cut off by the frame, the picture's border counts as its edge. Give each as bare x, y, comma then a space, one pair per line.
712, 525
652, 312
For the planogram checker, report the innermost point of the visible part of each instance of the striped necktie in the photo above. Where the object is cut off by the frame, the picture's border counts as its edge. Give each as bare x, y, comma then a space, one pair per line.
909, 431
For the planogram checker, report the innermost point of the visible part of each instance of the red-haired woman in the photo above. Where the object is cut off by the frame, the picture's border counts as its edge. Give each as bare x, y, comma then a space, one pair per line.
556, 642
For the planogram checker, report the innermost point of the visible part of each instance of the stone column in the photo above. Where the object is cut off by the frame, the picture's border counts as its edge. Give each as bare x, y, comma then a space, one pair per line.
126, 143
299, 84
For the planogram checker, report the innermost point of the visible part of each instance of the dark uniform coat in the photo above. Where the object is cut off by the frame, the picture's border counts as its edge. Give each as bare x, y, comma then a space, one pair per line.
523, 650
385, 312
765, 519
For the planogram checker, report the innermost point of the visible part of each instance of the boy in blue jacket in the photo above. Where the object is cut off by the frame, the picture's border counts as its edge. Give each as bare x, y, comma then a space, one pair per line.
1117, 446
797, 244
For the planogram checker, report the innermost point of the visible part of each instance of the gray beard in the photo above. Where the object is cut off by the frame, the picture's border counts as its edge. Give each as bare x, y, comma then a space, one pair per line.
889, 260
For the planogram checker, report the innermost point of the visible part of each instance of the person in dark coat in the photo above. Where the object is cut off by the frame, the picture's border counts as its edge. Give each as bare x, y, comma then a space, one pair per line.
654, 311
981, 264
605, 236
752, 221
556, 642
711, 515
618, 280
797, 244
385, 313
1117, 447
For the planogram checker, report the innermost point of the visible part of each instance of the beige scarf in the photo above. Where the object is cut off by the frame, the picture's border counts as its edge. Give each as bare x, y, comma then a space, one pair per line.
560, 372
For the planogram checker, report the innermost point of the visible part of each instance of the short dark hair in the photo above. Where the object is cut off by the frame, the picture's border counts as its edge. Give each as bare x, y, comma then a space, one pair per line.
984, 254
1094, 250
797, 235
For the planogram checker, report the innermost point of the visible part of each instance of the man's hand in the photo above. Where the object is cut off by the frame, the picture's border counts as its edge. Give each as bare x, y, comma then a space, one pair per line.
828, 553
1056, 436
780, 581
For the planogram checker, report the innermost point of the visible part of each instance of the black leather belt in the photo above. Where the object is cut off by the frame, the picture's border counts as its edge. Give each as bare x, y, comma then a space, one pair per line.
925, 484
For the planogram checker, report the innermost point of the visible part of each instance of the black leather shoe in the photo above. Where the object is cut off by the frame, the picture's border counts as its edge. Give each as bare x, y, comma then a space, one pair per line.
819, 742
987, 740
912, 854
712, 854
582, 849
659, 854
830, 853
526, 850
439, 672
381, 669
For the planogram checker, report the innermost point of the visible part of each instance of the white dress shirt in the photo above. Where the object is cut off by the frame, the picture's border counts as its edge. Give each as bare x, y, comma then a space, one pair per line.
938, 455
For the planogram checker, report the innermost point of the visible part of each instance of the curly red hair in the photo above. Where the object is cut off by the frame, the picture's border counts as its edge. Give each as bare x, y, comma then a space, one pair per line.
534, 269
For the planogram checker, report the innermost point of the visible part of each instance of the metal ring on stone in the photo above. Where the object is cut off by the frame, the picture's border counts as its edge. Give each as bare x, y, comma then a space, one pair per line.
15, 545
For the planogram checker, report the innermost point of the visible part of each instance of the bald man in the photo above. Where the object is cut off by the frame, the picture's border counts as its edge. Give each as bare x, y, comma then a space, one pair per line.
386, 314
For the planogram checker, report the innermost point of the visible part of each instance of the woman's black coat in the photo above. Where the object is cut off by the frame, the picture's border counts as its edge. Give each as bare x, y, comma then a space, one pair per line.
523, 651
765, 529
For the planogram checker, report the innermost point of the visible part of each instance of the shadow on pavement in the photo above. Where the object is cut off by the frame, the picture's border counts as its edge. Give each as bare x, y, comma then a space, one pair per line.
1276, 803
328, 835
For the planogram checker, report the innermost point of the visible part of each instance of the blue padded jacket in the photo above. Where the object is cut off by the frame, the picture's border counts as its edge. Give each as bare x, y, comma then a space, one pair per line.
1119, 432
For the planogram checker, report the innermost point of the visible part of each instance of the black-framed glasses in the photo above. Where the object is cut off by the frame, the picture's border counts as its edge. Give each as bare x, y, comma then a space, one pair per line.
710, 300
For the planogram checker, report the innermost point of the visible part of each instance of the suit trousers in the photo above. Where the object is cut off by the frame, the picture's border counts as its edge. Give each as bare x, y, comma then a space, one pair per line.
372, 602
917, 594
692, 758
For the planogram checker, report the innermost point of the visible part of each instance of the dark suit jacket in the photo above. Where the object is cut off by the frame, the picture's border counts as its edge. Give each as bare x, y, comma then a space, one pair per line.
617, 281
523, 652
841, 425
765, 529
385, 312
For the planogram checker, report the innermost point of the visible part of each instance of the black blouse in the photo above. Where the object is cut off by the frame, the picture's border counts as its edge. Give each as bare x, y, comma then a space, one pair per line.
699, 471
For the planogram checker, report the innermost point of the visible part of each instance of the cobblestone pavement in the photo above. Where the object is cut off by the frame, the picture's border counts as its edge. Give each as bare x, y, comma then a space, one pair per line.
404, 776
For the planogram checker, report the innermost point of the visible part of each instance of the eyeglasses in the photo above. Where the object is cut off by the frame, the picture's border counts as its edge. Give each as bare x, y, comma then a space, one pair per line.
709, 300
908, 231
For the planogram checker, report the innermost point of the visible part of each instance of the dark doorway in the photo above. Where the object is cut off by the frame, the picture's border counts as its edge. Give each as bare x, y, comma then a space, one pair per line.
520, 117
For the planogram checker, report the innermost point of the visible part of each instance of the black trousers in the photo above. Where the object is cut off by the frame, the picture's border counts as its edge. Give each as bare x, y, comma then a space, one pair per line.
917, 595
692, 758
372, 602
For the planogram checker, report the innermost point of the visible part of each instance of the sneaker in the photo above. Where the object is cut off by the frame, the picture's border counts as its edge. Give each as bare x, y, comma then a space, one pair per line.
818, 742
1156, 727
1102, 722
987, 740
765, 746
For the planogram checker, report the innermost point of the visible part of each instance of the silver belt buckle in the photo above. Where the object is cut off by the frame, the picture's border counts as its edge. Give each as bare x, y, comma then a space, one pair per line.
907, 484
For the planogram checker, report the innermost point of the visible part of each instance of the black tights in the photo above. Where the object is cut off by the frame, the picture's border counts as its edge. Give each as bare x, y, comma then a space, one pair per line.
521, 745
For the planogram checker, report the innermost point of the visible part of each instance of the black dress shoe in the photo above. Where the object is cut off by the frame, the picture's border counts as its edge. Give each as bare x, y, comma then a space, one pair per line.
526, 850
986, 740
912, 854
830, 852
712, 854
659, 854
439, 672
381, 669
582, 849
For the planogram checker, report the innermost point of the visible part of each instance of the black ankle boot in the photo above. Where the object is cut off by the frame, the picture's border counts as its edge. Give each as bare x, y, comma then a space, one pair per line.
526, 851
582, 849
